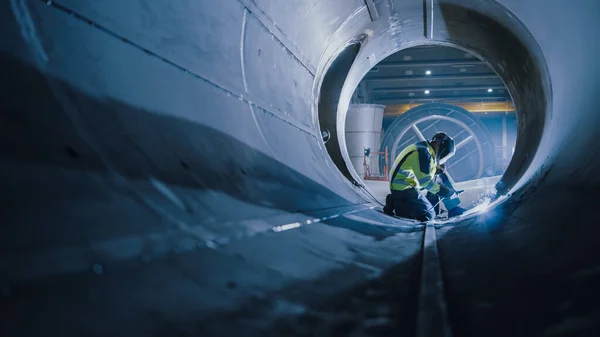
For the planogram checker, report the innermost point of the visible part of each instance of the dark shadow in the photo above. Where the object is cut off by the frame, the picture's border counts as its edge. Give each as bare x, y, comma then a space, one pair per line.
340, 303
140, 144
484, 27
379, 231
530, 268
329, 98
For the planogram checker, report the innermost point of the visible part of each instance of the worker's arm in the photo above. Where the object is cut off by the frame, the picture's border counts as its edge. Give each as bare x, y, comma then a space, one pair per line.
421, 161
447, 183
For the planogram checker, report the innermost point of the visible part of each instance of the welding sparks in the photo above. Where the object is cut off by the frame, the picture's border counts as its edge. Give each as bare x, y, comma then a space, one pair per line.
482, 207
483, 201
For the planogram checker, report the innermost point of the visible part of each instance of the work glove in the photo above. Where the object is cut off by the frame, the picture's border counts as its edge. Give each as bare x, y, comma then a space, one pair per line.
455, 193
440, 169
445, 192
451, 203
459, 192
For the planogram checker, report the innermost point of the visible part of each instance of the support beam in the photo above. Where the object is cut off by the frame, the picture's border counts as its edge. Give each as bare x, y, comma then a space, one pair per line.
441, 63
418, 132
364, 92
473, 107
434, 89
447, 99
485, 76
428, 18
372, 10
504, 141
464, 142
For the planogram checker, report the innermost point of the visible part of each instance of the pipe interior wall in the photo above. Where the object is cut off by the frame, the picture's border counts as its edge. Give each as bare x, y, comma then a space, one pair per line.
163, 171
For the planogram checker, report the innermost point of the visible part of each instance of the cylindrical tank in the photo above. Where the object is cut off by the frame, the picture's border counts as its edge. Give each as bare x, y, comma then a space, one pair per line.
363, 130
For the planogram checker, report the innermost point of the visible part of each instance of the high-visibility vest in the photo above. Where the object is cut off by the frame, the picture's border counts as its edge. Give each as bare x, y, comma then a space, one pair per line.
415, 167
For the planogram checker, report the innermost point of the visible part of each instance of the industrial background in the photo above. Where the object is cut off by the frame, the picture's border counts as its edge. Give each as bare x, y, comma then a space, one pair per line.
181, 168
416, 92
450, 76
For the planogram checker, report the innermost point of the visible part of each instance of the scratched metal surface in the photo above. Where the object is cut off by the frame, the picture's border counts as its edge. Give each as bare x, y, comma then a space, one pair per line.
162, 173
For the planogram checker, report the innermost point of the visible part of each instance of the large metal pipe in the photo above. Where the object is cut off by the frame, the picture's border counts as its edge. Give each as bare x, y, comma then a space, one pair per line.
363, 131
163, 170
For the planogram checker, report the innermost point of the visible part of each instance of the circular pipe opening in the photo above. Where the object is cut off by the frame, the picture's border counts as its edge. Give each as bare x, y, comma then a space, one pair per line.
483, 28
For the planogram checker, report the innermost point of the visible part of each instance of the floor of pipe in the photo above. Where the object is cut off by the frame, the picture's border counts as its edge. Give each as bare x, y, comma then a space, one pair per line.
531, 273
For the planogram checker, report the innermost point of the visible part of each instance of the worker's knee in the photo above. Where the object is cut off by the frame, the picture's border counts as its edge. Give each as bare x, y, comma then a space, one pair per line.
389, 200
410, 204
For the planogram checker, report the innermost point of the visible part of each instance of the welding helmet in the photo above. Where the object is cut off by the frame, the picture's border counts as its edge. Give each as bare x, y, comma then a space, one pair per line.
446, 147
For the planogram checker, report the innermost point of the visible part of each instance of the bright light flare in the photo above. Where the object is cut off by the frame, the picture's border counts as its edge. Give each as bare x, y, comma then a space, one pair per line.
483, 207
286, 227
484, 201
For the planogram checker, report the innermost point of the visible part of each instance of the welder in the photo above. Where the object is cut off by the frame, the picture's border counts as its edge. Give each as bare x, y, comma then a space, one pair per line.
418, 167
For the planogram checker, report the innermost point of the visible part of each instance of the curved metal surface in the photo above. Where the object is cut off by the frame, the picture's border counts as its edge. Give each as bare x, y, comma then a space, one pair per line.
162, 174
482, 28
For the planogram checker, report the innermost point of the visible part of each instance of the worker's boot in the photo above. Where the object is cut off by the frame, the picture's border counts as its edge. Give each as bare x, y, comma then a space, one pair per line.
389, 205
456, 211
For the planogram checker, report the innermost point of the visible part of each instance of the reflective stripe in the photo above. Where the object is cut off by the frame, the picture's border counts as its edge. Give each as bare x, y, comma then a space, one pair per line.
400, 163
399, 187
431, 182
424, 180
400, 181
399, 184
402, 175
